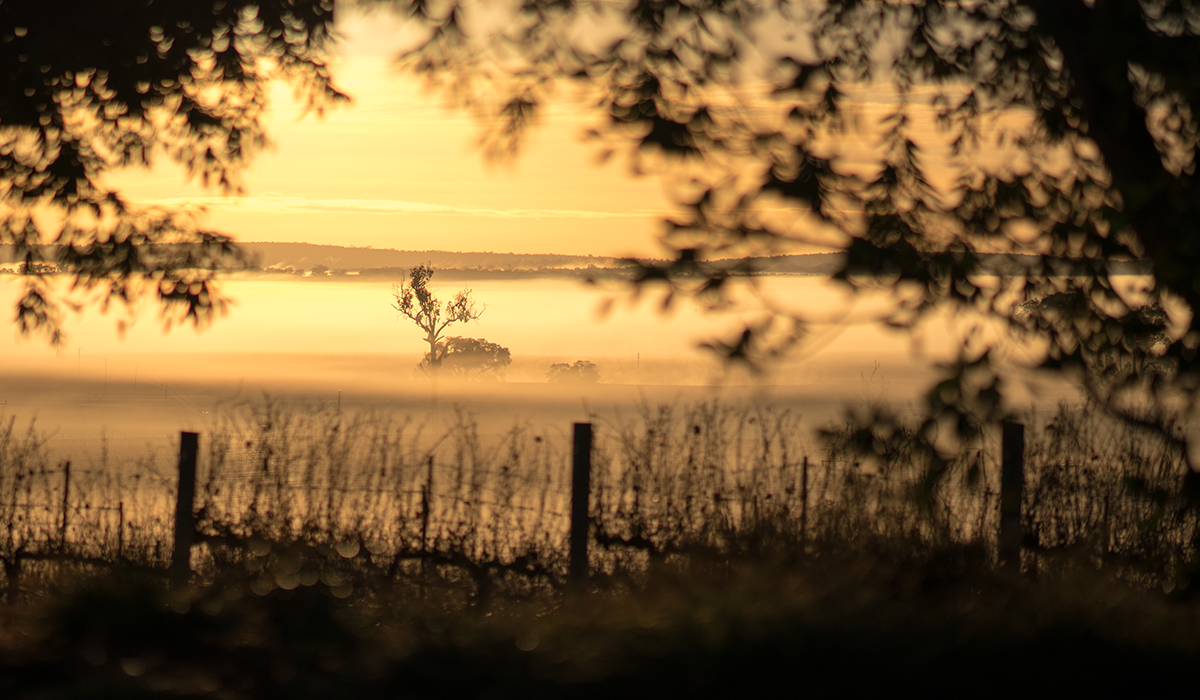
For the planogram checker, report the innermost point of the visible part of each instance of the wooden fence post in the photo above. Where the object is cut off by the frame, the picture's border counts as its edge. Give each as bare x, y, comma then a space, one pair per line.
581, 471
62, 527
12, 576
185, 516
1012, 492
121, 531
804, 499
426, 500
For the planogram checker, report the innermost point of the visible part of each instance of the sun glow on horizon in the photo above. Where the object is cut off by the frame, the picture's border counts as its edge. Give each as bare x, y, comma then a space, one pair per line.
396, 168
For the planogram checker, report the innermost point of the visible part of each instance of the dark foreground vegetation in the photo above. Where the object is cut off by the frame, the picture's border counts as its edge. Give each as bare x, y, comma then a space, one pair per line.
792, 624
354, 556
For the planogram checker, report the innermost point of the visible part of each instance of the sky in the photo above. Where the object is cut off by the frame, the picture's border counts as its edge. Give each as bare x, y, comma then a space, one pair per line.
398, 169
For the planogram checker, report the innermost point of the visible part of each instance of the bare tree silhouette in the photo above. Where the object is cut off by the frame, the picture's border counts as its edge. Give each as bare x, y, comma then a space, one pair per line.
416, 301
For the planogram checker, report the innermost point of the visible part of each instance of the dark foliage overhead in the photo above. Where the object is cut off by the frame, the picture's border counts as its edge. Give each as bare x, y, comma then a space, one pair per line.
92, 87
921, 138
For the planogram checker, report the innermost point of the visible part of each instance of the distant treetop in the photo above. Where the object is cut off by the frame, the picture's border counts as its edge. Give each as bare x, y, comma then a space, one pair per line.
473, 359
578, 372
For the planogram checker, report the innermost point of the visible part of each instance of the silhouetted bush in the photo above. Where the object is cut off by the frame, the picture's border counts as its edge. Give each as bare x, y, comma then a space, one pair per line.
468, 358
578, 372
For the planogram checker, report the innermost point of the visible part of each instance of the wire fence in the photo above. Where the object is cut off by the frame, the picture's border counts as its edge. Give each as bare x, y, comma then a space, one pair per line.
664, 479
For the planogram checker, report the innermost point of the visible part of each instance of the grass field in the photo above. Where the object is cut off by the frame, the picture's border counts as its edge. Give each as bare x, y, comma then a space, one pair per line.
354, 553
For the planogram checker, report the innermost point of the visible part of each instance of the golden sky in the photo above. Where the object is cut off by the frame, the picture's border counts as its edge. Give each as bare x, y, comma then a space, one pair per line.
397, 169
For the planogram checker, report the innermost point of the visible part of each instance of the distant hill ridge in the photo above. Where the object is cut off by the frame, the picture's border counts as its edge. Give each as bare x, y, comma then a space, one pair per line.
295, 258
303, 256
339, 261
308, 255
376, 261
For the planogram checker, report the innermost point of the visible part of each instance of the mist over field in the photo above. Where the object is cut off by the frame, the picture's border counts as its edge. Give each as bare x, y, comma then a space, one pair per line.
315, 342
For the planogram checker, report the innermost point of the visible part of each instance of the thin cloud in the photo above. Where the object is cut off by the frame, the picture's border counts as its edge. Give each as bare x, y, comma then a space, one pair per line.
292, 204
